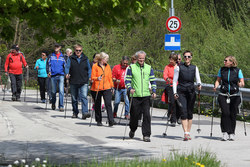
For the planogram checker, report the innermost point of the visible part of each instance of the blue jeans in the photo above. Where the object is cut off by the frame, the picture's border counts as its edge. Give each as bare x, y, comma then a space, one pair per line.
81, 91
118, 95
58, 79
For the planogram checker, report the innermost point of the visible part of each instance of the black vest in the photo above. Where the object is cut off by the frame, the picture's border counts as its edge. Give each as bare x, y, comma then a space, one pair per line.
78, 71
229, 80
186, 78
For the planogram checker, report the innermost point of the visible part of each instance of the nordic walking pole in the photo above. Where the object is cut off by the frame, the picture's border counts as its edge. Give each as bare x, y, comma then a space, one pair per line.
121, 113
5, 88
46, 100
172, 110
66, 100
25, 83
152, 108
245, 131
199, 110
131, 100
37, 92
212, 122
95, 101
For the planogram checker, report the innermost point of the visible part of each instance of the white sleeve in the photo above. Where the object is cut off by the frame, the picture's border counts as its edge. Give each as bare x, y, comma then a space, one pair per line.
197, 76
175, 79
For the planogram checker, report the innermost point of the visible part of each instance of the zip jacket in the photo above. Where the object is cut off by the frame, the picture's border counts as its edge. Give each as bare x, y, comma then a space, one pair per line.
41, 68
14, 63
119, 73
138, 78
106, 82
56, 66
168, 73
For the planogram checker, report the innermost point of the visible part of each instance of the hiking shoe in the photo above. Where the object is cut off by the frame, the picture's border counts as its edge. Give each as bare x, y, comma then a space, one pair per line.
43, 101
84, 116
53, 106
224, 136
131, 134
231, 137
61, 109
146, 138
74, 116
99, 124
112, 123
139, 123
114, 114
13, 98
172, 124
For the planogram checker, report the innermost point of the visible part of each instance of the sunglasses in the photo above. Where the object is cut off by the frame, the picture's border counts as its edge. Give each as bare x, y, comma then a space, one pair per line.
187, 57
78, 50
226, 60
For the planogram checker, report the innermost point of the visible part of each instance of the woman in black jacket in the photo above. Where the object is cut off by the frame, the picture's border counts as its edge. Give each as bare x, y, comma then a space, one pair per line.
231, 78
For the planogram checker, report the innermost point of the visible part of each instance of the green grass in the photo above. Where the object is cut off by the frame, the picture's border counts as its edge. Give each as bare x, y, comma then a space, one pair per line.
194, 159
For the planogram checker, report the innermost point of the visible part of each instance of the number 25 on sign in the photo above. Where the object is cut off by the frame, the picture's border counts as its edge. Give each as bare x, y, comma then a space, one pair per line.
173, 24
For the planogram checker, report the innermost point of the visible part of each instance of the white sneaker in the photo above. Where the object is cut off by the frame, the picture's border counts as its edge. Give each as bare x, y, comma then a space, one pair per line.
224, 136
231, 137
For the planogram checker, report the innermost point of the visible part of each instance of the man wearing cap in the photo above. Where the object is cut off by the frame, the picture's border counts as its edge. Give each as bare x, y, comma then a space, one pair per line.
56, 64
13, 68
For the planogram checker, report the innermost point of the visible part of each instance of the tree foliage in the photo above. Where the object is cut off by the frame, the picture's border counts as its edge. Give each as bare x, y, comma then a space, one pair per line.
57, 18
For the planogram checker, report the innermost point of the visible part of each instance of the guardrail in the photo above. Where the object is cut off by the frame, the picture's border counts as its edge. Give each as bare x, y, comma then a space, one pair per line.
207, 89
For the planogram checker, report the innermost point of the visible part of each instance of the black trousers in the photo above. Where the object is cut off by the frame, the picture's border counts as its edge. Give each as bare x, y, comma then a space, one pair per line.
229, 112
187, 99
173, 108
107, 96
16, 85
42, 84
140, 105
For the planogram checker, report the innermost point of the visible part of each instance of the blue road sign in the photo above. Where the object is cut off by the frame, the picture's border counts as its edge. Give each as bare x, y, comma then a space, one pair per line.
172, 42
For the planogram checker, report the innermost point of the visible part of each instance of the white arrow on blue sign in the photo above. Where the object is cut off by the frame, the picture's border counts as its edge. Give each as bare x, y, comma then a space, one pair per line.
172, 42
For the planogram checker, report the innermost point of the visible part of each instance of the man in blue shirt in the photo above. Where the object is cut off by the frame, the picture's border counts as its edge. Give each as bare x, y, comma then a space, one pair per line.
78, 71
56, 64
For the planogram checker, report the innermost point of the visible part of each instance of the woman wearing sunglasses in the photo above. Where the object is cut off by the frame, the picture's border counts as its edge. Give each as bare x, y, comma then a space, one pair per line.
231, 78
185, 91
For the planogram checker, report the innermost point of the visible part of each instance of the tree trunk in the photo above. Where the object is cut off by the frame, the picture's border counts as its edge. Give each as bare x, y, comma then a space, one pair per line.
16, 32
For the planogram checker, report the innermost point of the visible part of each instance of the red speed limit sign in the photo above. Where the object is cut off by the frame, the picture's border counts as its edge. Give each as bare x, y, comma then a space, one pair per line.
173, 24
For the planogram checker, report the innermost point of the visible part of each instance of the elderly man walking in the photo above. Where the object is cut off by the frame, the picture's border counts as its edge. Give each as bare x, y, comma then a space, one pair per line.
78, 71
137, 81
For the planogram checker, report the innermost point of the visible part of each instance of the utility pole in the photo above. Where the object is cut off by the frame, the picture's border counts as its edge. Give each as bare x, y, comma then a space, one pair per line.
171, 10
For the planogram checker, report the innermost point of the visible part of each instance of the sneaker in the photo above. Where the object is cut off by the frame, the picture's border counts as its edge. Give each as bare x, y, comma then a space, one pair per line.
189, 137
186, 138
131, 134
179, 121
43, 101
74, 116
146, 138
224, 136
99, 124
61, 109
231, 137
53, 106
114, 114
127, 117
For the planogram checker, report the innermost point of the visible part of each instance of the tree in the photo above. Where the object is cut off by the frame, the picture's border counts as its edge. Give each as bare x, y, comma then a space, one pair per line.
57, 18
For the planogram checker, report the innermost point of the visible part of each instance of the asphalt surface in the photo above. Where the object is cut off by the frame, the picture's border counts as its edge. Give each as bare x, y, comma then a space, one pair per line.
28, 131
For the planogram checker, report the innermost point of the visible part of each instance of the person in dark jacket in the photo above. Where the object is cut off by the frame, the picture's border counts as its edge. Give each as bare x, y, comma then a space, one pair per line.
185, 91
78, 71
40, 66
13, 68
231, 78
56, 65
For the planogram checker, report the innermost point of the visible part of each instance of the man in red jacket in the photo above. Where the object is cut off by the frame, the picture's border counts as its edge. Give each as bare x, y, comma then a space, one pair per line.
13, 67
118, 74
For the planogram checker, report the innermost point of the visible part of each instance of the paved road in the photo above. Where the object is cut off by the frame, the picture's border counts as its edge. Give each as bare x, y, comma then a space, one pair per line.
27, 130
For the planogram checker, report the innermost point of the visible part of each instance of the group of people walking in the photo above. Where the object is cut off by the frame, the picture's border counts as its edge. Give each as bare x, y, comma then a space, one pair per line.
134, 82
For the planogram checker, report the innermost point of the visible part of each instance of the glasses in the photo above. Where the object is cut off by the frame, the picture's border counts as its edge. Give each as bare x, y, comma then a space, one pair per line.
78, 50
187, 57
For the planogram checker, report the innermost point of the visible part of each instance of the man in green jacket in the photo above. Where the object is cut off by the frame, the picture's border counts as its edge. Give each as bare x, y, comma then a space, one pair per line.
137, 81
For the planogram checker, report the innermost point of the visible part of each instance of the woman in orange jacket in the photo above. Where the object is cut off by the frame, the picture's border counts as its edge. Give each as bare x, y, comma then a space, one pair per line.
102, 86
